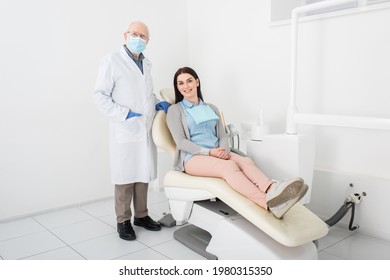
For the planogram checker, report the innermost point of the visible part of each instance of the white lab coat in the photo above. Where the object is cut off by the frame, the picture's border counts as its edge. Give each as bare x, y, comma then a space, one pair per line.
121, 86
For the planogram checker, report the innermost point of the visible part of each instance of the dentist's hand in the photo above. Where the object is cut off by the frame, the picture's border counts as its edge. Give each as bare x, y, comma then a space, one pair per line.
219, 153
163, 105
132, 114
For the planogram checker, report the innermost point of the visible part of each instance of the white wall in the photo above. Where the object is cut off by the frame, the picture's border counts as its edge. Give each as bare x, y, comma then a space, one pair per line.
343, 68
54, 142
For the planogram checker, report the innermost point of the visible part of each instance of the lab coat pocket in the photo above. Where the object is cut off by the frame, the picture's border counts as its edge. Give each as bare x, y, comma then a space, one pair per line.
131, 130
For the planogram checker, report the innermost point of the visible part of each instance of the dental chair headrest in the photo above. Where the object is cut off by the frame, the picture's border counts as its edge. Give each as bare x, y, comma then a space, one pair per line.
168, 94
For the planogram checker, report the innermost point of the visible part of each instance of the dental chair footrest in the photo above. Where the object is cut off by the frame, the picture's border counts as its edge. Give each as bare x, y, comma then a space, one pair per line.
298, 226
196, 239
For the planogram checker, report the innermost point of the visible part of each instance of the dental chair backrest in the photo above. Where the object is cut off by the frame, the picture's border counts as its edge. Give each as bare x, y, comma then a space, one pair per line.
161, 135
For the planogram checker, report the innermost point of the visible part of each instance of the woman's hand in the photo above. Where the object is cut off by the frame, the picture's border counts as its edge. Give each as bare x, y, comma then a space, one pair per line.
219, 153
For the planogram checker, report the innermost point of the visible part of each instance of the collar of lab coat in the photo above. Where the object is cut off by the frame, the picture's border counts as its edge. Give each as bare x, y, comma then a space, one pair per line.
147, 65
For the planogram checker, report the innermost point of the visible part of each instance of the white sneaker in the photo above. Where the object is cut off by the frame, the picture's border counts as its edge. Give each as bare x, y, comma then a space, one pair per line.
281, 209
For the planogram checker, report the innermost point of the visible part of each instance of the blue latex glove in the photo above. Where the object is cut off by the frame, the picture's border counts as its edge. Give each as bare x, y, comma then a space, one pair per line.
132, 114
163, 105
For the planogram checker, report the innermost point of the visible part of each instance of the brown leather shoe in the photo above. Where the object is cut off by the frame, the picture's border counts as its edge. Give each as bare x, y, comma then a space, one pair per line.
126, 231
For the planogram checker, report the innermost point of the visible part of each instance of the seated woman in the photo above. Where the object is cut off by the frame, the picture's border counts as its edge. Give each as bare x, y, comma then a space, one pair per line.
202, 149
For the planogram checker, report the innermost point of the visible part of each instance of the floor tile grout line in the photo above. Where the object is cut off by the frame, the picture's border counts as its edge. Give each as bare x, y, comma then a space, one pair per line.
100, 218
338, 241
23, 235
167, 242
162, 242
45, 228
151, 248
97, 237
68, 245
71, 224
107, 235
63, 226
161, 253
333, 255
106, 223
377, 239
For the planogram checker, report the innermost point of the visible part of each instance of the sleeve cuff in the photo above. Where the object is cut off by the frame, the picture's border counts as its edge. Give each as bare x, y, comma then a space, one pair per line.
205, 151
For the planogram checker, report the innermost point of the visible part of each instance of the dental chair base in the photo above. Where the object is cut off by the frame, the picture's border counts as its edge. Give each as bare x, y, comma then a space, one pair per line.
216, 231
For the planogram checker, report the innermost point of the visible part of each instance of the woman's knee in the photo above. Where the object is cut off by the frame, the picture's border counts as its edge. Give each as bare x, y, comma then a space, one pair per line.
228, 166
242, 160
247, 160
222, 168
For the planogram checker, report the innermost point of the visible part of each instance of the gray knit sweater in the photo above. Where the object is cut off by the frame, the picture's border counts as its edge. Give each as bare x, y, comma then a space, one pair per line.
178, 126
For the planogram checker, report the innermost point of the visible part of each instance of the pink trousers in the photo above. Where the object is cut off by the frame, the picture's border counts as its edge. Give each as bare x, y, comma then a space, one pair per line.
241, 173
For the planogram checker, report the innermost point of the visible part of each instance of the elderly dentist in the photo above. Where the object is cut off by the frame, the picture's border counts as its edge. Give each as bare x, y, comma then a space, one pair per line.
124, 93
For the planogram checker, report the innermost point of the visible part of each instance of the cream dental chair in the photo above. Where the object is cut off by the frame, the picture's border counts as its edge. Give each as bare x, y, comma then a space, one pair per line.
219, 223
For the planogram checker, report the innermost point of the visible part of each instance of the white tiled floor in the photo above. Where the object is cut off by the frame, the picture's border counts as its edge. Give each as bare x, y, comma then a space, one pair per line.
89, 232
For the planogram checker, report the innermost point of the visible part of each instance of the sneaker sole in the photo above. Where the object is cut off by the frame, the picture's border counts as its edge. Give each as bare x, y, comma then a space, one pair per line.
291, 191
280, 212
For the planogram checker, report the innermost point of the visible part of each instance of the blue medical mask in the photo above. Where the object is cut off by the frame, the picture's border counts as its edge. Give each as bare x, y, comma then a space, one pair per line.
136, 44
